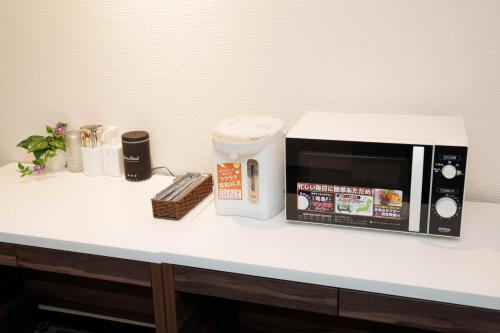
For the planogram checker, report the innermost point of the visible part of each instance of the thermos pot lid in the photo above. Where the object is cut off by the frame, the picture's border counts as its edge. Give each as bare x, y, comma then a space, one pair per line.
247, 129
135, 136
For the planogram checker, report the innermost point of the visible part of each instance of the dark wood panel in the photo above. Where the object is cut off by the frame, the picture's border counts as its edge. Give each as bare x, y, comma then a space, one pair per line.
15, 313
210, 315
12, 299
158, 298
70, 323
85, 265
170, 299
8, 254
263, 319
409, 312
11, 282
90, 295
185, 306
253, 289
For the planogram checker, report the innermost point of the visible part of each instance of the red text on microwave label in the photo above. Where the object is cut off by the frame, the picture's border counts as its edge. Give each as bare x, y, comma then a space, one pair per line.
349, 200
229, 181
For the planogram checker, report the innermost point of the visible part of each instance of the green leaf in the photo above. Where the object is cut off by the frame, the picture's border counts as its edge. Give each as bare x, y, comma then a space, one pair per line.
29, 141
24, 144
20, 166
38, 145
26, 171
49, 129
39, 153
38, 161
58, 144
51, 154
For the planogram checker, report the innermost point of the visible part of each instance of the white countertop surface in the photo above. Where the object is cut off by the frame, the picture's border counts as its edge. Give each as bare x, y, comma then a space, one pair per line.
113, 217
95, 215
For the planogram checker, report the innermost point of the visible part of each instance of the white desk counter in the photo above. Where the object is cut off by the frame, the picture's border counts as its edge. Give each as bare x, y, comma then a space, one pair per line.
102, 215
462, 271
112, 217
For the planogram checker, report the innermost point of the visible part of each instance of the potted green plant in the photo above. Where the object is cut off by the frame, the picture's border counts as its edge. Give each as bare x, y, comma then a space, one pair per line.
49, 151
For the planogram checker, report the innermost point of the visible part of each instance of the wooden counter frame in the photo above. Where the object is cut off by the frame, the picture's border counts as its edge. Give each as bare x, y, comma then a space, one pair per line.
399, 311
171, 286
8, 254
45, 267
417, 313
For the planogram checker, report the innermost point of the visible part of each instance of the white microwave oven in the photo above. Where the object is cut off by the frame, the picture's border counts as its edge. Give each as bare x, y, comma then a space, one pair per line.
392, 172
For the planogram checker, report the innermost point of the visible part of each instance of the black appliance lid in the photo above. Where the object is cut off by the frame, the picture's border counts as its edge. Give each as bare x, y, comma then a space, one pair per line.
135, 136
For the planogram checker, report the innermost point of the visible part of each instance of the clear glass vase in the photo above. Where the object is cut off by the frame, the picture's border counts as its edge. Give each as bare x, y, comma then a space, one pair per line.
57, 162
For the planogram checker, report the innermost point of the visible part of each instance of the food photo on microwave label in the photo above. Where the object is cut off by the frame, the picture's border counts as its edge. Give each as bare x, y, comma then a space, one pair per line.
388, 203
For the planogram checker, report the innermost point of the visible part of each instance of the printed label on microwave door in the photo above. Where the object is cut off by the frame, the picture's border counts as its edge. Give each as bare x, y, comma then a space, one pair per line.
354, 204
315, 201
328, 203
388, 203
229, 181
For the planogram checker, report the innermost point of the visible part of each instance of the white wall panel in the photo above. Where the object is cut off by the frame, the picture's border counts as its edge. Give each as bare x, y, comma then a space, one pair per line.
176, 67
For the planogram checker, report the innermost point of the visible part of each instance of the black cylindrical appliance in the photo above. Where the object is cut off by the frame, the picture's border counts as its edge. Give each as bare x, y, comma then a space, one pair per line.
136, 155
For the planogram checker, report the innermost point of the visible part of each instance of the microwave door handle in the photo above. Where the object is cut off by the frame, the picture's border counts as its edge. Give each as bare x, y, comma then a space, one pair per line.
417, 175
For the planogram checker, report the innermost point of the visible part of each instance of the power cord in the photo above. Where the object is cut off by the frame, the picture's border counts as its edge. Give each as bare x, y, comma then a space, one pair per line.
164, 169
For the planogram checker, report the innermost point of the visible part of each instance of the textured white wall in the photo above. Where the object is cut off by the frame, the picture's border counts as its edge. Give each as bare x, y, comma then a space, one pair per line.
176, 67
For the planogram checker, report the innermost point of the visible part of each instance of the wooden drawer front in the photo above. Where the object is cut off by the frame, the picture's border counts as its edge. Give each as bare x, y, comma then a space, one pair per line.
292, 295
90, 295
85, 265
7, 254
429, 315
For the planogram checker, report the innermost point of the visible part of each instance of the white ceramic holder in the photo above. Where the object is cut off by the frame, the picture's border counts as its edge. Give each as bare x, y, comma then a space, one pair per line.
92, 161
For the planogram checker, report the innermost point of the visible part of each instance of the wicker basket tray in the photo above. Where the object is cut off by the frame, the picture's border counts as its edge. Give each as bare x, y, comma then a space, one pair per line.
176, 209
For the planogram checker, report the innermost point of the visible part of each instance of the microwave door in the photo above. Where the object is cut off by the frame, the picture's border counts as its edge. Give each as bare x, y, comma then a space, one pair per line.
371, 185
362, 184
417, 180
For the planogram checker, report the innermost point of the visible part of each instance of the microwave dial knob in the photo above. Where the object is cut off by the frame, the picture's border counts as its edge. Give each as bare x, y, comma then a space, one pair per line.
446, 207
449, 171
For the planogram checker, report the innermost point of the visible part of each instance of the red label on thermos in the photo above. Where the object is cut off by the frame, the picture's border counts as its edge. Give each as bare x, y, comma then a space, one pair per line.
229, 181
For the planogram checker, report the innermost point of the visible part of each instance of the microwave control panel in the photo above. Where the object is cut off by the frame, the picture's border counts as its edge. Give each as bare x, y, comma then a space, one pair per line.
447, 193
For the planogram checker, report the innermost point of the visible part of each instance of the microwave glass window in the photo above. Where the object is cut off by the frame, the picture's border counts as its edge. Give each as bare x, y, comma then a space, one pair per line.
355, 170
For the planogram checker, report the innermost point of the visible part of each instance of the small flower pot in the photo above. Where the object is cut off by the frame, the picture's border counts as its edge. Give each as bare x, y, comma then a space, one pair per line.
57, 162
